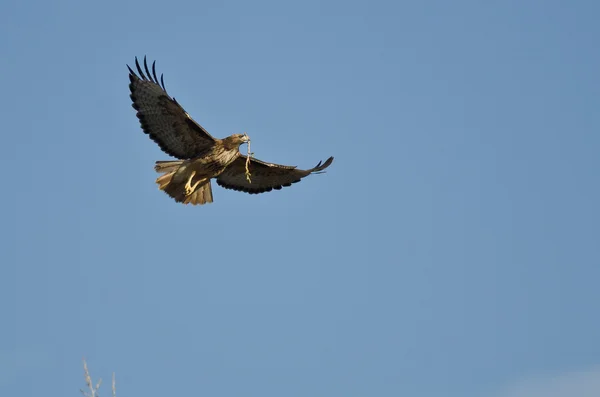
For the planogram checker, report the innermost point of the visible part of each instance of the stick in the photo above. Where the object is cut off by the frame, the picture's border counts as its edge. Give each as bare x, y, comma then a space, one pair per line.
250, 154
88, 381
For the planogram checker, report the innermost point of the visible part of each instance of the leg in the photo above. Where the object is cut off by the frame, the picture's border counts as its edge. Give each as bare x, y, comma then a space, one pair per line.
193, 189
188, 186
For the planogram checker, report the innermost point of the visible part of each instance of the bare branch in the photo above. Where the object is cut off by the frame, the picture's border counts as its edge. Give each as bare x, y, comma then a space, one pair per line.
250, 154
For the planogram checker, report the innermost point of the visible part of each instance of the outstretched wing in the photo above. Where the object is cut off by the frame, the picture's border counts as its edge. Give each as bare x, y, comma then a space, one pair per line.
264, 176
161, 117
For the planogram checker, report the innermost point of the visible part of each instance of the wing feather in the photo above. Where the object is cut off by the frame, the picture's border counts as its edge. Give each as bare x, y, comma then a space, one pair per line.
264, 176
162, 118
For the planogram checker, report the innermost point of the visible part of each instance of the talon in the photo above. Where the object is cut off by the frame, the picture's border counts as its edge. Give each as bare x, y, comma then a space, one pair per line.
188, 185
192, 188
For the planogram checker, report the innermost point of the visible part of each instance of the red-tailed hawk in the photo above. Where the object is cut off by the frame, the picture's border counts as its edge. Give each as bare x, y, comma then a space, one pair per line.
201, 157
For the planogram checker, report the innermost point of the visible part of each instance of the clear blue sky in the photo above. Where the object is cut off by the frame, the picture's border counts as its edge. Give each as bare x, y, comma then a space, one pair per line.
452, 249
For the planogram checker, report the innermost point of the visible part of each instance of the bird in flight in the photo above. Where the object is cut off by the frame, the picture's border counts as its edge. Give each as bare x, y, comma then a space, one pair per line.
201, 157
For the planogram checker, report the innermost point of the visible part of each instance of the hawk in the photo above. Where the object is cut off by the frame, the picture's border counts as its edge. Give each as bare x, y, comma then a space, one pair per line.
201, 157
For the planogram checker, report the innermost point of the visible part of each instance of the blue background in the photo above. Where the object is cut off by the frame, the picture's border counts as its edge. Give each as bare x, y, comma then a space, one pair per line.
450, 250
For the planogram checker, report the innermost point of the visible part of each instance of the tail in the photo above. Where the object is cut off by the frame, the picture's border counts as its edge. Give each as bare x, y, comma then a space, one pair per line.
167, 166
176, 188
201, 195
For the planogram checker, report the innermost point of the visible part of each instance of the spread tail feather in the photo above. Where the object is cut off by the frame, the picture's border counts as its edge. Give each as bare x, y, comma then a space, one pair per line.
175, 186
202, 195
164, 180
167, 166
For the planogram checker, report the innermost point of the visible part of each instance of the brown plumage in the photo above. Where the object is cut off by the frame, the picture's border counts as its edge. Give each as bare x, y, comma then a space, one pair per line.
201, 157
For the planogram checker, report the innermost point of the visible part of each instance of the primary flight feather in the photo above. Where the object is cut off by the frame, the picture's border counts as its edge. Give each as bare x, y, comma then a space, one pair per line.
201, 157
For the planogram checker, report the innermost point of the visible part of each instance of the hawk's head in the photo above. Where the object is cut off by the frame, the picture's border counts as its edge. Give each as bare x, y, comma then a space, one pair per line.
235, 140
243, 137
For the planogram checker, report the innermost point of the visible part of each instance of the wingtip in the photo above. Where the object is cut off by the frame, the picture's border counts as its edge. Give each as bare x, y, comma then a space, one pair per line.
139, 69
147, 70
321, 167
154, 72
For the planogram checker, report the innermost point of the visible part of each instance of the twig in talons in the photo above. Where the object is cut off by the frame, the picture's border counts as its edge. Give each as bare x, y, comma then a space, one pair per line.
88, 381
250, 154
